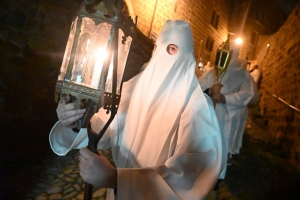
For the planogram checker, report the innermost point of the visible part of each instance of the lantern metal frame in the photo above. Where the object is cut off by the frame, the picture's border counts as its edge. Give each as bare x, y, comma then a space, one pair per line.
108, 11
223, 56
87, 97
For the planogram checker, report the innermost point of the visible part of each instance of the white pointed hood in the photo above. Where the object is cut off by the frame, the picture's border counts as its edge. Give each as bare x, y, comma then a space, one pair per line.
159, 98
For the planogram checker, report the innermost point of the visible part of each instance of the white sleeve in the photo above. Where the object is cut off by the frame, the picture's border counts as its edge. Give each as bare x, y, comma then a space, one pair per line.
207, 80
63, 139
248, 93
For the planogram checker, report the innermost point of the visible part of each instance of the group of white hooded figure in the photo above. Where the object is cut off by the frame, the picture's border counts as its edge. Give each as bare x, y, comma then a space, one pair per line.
167, 139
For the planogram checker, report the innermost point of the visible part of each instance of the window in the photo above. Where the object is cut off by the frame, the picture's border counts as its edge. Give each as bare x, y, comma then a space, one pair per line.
215, 19
254, 38
209, 44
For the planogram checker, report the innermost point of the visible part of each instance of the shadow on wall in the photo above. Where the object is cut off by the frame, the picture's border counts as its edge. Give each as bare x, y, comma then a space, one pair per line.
140, 53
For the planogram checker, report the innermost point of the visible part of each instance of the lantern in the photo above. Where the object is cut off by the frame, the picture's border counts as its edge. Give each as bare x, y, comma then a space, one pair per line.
222, 58
221, 64
95, 57
94, 62
224, 55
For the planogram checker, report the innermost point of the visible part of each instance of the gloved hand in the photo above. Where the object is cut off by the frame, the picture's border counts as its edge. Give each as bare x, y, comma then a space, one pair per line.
96, 169
67, 114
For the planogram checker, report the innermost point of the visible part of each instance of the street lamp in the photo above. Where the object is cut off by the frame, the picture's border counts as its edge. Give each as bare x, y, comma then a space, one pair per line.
200, 65
93, 64
239, 41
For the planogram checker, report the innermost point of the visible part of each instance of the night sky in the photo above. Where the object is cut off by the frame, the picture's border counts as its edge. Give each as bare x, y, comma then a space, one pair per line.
287, 5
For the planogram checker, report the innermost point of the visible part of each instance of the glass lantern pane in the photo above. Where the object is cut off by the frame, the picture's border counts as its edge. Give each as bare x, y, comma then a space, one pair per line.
123, 50
66, 58
90, 53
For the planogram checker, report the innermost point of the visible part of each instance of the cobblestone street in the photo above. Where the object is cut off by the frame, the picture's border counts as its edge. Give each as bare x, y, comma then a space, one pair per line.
258, 172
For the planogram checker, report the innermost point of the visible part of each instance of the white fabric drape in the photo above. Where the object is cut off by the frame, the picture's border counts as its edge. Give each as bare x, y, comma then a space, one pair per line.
239, 90
165, 138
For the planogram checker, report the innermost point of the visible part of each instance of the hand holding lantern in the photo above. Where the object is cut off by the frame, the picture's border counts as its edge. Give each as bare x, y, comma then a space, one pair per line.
221, 64
66, 112
96, 43
93, 65
97, 170
215, 93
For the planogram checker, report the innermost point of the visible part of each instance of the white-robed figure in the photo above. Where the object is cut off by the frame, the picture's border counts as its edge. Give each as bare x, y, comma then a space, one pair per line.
165, 139
238, 90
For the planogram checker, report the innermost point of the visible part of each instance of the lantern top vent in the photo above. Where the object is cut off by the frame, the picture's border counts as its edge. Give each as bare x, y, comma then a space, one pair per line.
107, 10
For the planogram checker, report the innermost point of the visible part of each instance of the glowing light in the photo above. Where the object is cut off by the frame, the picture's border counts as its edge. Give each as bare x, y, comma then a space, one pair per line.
238, 41
200, 64
88, 44
100, 55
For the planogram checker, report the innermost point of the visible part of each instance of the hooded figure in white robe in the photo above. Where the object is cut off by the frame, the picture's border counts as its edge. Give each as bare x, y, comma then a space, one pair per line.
239, 91
165, 139
256, 75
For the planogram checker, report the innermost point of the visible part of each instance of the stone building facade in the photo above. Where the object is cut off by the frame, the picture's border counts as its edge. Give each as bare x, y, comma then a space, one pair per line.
212, 21
280, 67
209, 20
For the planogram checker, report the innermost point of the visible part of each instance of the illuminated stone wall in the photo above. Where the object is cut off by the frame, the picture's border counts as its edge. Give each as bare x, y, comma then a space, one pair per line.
197, 13
281, 76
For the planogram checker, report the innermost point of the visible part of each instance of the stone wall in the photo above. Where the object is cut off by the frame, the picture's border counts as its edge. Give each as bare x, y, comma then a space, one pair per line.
33, 35
152, 16
280, 67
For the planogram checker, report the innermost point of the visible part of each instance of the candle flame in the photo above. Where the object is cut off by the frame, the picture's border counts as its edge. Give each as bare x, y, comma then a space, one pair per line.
100, 54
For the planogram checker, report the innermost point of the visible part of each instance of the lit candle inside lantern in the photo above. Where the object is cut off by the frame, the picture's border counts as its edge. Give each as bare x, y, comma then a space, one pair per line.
78, 79
108, 84
100, 56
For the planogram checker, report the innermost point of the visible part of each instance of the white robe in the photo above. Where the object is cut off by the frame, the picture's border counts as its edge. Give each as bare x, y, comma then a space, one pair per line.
239, 90
255, 75
165, 138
